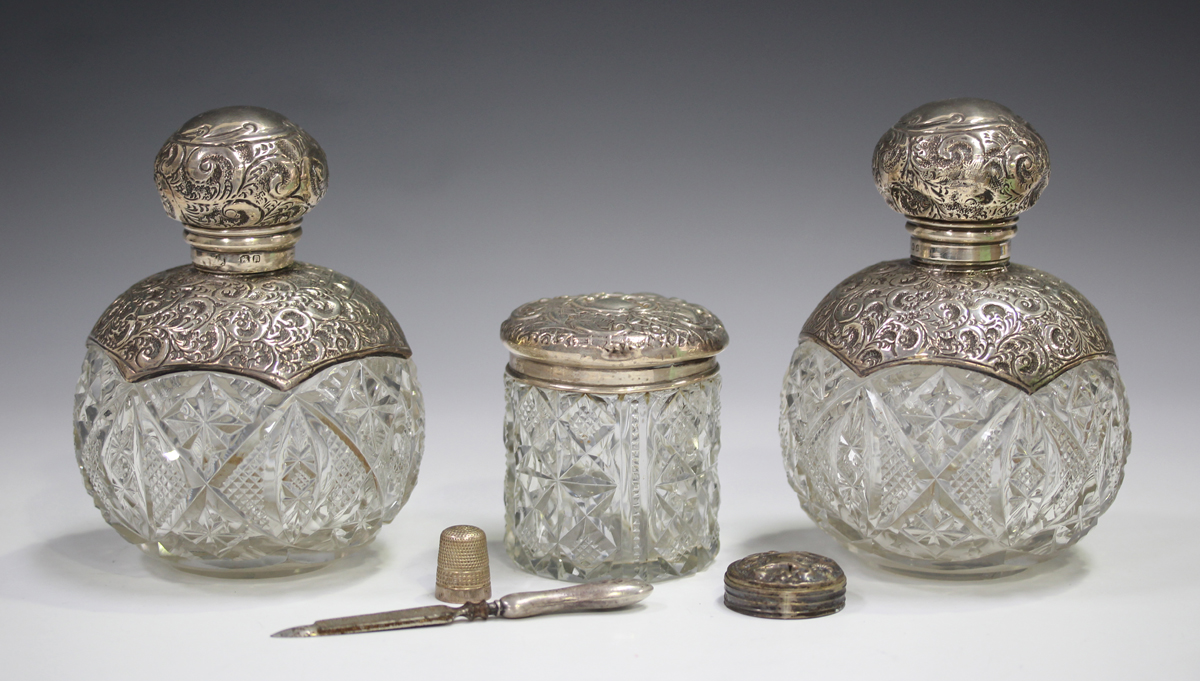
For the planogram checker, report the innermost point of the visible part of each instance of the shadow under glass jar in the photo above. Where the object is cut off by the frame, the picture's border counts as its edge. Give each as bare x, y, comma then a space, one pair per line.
612, 430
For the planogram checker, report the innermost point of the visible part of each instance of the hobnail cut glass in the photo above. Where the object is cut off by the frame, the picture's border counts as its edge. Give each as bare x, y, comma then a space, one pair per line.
946, 472
222, 474
604, 486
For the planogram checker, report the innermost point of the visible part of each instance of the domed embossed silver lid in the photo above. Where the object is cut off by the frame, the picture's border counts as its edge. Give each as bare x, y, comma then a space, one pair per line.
612, 342
240, 167
961, 170
240, 178
966, 160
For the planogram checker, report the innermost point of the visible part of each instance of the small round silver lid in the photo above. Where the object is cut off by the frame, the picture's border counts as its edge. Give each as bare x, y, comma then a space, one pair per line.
612, 342
240, 178
785, 585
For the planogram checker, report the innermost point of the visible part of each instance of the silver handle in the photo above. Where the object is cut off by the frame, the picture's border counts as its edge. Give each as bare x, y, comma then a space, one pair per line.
606, 595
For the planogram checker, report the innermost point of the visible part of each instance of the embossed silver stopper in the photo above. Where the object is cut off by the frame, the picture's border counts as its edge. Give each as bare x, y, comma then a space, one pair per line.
239, 179
463, 572
961, 170
612, 342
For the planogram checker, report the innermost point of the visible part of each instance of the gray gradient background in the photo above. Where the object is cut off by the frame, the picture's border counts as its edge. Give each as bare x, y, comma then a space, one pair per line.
486, 154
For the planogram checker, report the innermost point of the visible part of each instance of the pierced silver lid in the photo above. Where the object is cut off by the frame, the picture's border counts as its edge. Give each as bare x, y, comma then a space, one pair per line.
612, 342
961, 170
239, 179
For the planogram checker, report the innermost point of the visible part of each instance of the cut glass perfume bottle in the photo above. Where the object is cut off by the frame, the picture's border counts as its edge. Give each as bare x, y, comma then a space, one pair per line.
612, 429
247, 414
955, 414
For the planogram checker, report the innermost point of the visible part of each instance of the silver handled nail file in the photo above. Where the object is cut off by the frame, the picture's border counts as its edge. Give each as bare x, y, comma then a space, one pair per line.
606, 595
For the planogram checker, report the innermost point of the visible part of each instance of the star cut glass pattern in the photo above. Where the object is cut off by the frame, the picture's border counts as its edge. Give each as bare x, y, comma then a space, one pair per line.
947, 472
604, 486
222, 474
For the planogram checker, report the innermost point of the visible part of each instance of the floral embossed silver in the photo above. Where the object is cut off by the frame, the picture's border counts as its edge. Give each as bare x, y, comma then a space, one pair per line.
955, 414
278, 327
247, 414
602, 329
612, 430
240, 166
1019, 324
961, 160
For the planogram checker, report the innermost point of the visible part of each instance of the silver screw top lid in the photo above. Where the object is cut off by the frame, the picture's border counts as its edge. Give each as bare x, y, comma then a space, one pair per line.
612, 342
610, 330
240, 168
961, 160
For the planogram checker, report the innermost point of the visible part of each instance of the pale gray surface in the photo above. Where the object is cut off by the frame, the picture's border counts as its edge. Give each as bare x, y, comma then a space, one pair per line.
483, 156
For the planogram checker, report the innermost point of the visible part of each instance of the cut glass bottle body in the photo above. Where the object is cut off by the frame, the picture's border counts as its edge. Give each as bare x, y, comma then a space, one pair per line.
222, 474
943, 471
603, 485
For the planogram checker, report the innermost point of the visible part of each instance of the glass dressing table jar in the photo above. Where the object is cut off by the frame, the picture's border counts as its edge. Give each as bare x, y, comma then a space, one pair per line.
612, 430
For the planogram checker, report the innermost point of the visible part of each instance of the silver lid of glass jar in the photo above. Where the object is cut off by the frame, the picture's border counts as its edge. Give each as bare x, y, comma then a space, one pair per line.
612, 342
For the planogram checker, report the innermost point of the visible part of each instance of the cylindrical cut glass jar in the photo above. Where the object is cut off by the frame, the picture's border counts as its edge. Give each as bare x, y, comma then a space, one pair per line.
955, 414
247, 415
612, 429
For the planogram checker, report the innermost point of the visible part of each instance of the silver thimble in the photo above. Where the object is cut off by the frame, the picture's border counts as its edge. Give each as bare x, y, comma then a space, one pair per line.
462, 570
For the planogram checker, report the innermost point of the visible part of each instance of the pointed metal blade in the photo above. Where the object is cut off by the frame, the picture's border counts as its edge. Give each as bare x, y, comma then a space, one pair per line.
409, 618
296, 632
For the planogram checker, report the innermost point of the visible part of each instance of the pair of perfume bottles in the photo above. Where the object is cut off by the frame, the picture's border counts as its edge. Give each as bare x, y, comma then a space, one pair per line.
951, 414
